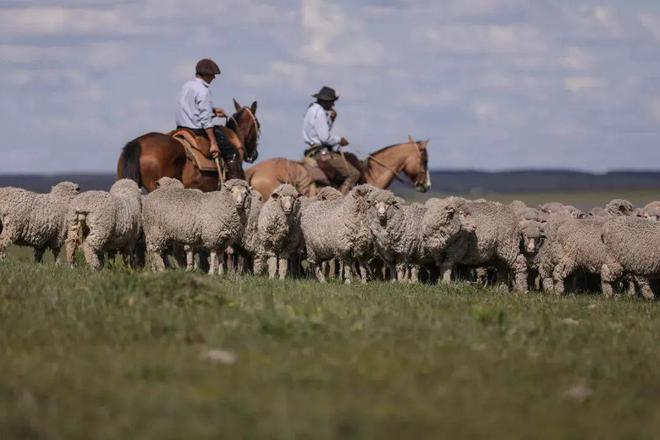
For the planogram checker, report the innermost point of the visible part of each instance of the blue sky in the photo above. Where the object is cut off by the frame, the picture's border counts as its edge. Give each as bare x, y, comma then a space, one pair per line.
495, 84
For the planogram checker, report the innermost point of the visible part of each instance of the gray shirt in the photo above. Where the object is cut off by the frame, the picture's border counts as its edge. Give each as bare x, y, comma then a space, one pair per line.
194, 108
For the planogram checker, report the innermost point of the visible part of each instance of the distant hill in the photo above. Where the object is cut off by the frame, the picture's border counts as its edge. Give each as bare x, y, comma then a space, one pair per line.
445, 181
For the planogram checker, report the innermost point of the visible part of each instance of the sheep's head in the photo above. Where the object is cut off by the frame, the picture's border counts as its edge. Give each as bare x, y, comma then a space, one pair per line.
382, 204
169, 182
619, 207
652, 213
239, 191
65, 189
328, 193
442, 221
286, 195
467, 221
531, 236
125, 187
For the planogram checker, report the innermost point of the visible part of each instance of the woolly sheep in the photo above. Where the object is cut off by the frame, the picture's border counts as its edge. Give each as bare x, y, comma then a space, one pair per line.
196, 220
576, 244
651, 211
495, 240
36, 220
100, 222
169, 182
277, 228
338, 229
633, 248
619, 207
328, 193
248, 242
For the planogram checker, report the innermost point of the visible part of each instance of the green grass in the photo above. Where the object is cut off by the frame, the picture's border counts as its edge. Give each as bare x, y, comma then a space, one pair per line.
118, 354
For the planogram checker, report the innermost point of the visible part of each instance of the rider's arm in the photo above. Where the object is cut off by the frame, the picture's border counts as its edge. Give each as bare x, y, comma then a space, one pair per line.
323, 130
205, 117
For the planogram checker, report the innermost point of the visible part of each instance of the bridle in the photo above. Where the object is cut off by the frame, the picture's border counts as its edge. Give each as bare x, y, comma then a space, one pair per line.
241, 135
397, 174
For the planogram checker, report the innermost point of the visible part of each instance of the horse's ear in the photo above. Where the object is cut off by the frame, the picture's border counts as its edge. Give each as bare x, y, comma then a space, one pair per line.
411, 140
253, 108
237, 106
423, 144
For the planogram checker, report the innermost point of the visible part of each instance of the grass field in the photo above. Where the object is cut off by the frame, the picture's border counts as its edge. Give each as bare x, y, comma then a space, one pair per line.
119, 354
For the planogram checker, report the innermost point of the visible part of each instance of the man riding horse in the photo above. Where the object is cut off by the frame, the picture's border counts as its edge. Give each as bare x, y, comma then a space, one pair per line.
317, 128
195, 112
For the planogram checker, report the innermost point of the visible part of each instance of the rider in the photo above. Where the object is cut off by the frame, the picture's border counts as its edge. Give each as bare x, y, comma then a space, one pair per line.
317, 126
195, 112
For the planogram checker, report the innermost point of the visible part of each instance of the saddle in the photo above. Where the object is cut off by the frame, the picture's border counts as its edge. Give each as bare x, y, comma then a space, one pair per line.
197, 148
315, 171
322, 173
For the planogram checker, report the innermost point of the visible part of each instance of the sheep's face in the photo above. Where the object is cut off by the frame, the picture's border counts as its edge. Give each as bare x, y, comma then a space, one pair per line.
532, 237
383, 207
467, 221
653, 215
66, 189
239, 194
287, 203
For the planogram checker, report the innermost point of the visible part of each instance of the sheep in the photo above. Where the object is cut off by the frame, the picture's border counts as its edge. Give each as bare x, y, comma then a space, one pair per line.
559, 208
338, 229
618, 207
633, 248
100, 222
651, 211
36, 220
576, 244
4, 194
495, 240
277, 228
328, 193
169, 182
532, 239
194, 219
395, 229
248, 242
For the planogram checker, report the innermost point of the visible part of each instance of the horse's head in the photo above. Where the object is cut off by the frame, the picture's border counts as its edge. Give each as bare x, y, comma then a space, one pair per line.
246, 125
417, 165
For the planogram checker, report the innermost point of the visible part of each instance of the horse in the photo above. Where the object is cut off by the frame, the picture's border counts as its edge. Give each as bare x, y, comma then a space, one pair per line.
380, 168
151, 156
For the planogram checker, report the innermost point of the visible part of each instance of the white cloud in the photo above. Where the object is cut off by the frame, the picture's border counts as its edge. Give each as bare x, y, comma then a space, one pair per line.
580, 84
577, 59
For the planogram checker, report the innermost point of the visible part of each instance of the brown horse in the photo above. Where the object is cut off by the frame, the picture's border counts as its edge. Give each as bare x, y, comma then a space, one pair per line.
154, 155
379, 169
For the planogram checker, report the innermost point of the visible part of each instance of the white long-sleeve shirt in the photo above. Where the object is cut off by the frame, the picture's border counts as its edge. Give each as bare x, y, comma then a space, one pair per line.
317, 126
195, 108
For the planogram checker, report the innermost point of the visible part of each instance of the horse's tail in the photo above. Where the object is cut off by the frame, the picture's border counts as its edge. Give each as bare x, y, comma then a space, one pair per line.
129, 162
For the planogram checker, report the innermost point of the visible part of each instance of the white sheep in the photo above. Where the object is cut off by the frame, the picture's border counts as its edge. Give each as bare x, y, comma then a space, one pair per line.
100, 222
338, 229
36, 220
194, 219
278, 229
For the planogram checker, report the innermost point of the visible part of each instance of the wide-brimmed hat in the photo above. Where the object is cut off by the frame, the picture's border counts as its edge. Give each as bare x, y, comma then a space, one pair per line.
207, 66
326, 94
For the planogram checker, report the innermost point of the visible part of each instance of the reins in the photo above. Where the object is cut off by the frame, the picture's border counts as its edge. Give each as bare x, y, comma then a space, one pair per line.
239, 130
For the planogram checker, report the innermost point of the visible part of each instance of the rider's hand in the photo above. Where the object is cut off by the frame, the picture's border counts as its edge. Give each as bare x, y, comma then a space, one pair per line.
219, 113
343, 142
214, 150
333, 115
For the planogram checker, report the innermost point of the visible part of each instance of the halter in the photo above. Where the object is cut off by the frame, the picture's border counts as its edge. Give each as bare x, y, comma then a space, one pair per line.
397, 174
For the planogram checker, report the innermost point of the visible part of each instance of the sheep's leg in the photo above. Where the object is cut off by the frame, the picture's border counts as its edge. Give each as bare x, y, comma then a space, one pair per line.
56, 255
644, 287
5, 241
213, 262
446, 269
414, 274
91, 256
70, 251
190, 258
258, 266
400, 272
392, 270
348, 270
537, 282
283, 266
272, 266
39, 254
318, 271
520, 271
609, 273
363, 273
558, 279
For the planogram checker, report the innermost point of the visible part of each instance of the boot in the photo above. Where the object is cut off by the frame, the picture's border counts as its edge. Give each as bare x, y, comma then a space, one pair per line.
235, 169
348, 183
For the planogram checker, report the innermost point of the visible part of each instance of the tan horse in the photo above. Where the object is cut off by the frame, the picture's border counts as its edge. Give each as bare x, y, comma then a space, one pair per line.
379, 169
154, 155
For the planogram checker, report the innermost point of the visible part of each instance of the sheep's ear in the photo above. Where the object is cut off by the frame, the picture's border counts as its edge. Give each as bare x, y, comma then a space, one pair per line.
275, 196
253, 108
237, 106
299, 195
451, 211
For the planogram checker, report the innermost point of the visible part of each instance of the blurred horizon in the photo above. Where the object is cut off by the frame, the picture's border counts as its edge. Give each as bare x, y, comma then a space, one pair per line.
495, 84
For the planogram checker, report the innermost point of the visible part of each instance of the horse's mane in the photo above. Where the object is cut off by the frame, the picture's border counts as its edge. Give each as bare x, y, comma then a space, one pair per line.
390, 146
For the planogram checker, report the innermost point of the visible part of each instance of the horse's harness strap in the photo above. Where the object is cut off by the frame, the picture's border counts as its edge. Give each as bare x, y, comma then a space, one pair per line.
395, 173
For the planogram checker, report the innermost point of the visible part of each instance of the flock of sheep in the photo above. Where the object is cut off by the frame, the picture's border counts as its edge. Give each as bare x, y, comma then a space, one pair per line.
369, 232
